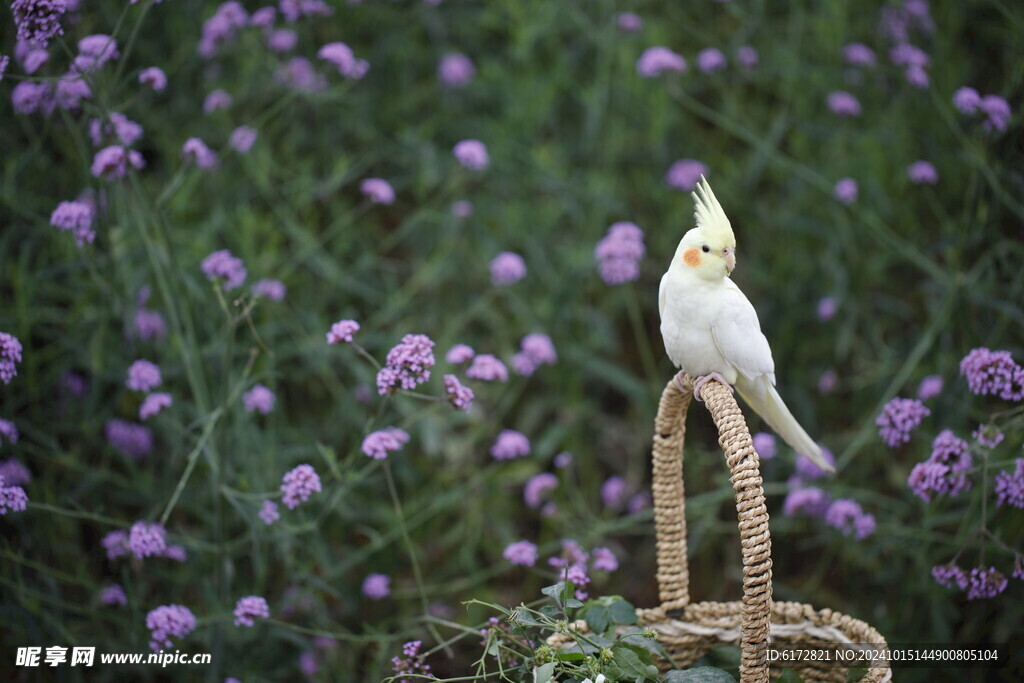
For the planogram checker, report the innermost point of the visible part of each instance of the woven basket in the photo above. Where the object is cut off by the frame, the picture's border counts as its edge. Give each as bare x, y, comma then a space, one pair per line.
688, 630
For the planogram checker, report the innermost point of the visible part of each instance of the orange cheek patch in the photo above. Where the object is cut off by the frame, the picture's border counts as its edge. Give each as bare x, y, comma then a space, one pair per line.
691, 257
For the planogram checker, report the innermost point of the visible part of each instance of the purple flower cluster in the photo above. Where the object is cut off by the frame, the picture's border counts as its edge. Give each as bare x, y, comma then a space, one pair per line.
898, 418
196, 151
274, 290
507, 268
242, 139
149, 324
169, 620
76, 216
846, 190
153, 404
684, 174
93, 52
847, 516
299, 484
510, 444
342, 331
522, 553
922, 173
807, 501
378, 444
293, 10
221, 264
710, 60
117, 128
268, 512
1010, 487
613, 491
460, 396
411, 663
129, 438
216, 100
535, 349
981, 582
146, 539
996, 110
950, 576
629, 22
14, 473
378, 191
472, 154
619, 252
993, 373
487, 368
455, 70
407, 366
988, 436
10, 355
259, 399
299, 75
459, 353
341, 56
377, 586
222, 28
930, 387
112, 163
658, 60
38, 21
12, 498
249, 608
536, 486
858, 54
843, 103
113, 595
945, 470
765, 445
747, 56
143, 376
807, 470
154, 77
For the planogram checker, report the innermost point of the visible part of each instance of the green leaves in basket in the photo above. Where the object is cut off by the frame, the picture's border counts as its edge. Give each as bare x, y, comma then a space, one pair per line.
702, 674
607, 611
631, 663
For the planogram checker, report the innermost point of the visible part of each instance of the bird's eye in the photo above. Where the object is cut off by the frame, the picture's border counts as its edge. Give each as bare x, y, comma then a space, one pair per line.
705, 248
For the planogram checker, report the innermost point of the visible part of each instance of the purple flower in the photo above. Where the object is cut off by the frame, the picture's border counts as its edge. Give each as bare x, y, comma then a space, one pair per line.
746, 56
299, 484
166, 621
460, 396
847, 516
10, 355
154, 77
455, 70
299, 75
221, 28
377, 586
8, 430
291, 10
536, 486
12, 471
175, 552
149, 324
507, 268
116, 544
112, 163
684, 174
510, 444
905, 54
858, 54
765, 445
916, 76
407, 365
128, 438
342, 331
153, 404
282, 40
341, 56
930, 387
113, 595
462, 208
378, 190
378, 444
119, 128
12, 498
143, 376
242, 139
827, 382
221, 264
846, 190
5, 60
1010, 487
536, 349
412, 663
146, 539
76, 216
28, 98
269, 289
988, 436
945, 471
93, 52
459, 353
563, 460
808, 501
263, 17
629, 22
985, 582
613, 491
950, 576
268, 512
472, 154
619, 252
827, 308
487, 368
38, 20
249, 608
216, 100
657, 60
195, 150
843, 103
994, 373
898, 418
522, 553
967, 100
927, 478
710, 60
998, 111
922, 172
603, 560
259, 399
807, 470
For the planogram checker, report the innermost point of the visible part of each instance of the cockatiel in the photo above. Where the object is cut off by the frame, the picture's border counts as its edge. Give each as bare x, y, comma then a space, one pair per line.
711, 330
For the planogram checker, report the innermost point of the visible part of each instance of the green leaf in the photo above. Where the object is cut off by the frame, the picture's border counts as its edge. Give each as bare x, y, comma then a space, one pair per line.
631, 664
571, 656
573, 603
598, 617
702, 674
544, 672
623, 612
554, 591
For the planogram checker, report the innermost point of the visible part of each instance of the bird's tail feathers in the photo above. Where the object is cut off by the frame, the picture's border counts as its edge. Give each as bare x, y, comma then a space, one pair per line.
761, 395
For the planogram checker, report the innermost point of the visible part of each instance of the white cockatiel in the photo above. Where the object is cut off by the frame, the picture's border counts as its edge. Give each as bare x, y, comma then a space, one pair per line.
711, 330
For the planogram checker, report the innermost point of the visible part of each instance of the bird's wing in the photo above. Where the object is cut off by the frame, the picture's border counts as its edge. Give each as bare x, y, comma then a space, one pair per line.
662, 296
737, 334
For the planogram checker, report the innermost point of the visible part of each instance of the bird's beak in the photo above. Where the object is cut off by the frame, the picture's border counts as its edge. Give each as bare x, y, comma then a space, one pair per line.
730, 259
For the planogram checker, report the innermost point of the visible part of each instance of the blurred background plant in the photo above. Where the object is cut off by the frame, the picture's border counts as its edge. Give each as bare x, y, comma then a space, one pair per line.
211, 188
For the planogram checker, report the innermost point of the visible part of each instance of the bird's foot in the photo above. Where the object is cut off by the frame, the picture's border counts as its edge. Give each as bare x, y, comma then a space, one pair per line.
678, 379
705, 378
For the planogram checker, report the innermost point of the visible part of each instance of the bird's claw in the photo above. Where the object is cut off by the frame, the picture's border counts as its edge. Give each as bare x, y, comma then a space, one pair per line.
705, 378
679, 382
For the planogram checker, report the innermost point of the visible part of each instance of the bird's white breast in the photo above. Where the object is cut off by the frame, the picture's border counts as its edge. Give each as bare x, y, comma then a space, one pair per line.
688, 311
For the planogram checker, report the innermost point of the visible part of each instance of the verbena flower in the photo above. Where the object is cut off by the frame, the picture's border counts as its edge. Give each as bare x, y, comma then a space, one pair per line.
684, 174
10, 356
522, 553
114, 162
847, 516
407, 365
460, 396
282, 40
993, 373
293, 10
985, 582
843, 103
827, 308
945, 471
1009, 488
629, 22
38, 21
341, 56
175, 552
746, 56
378, 191
536, 349
377, 586
93, 52
242, 139
149, 324
472, 154
116, 544
146, 539
988, 436
807, 470
562, 460
116, 127
28, 98
143, 376
459, 353
113, 595
846, 190
536, 486
487, 368
259, 399
76, 216
858, 54
710, 60
8, 431
898, 418
268, 512
657, 60
250, 608
298, 74
411, 663
807, 501
967, 100
828, 381
613, 491
930, 387
950, 576
299, 484
378, 444
765, 445
153, 404
154, 77
342, 331
274, 290
997, 111
12, 498
510, 444
922, 173
128, 438
166, 621
618, 253
13, 471
4, 61
604, 560
221, 28
222, 265
507, 268
195, 151
455, 70
216, 100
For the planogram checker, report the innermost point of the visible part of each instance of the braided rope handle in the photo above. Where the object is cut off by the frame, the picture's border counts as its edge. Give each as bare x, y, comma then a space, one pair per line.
670, 508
